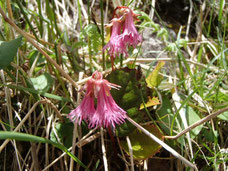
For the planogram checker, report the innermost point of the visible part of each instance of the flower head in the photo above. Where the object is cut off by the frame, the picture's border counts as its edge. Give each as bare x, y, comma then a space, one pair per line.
116, 45
86, 109
130, 34
107, 112
123, 34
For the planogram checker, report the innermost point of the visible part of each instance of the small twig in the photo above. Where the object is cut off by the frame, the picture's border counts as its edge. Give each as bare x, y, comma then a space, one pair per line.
75, 133
189, 19
130, 153
55, 109
27, 116
207, 118
105, 161
152, 9
76, 130
63, 154
48, 58
47, 136
145, 165
88, 140
125, 161
164, 145
21, 123
123, 156
149, 60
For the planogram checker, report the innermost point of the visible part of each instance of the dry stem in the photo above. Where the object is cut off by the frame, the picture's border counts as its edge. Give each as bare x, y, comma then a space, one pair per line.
207, 118
48, 58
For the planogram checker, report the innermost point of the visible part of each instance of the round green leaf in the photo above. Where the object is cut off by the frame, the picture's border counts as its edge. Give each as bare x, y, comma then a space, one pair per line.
142, 145
193, 117
64, 132
129, 97
43, 82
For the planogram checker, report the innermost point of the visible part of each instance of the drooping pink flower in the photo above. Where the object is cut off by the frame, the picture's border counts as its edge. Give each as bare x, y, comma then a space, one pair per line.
130, 34
86, 109
116, 45
107, 112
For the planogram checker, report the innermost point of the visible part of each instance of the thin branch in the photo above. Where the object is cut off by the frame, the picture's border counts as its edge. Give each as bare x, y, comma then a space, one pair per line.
21, 123
130, 153
149, 60
207, 118
48, 58
103, 150
63, 154
164, 145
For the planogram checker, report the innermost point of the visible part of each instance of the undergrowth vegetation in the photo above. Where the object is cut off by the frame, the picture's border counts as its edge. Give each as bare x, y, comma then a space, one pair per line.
174, 84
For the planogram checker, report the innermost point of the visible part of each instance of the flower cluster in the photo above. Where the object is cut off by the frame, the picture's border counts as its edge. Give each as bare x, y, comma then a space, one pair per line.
124, 33
106, 113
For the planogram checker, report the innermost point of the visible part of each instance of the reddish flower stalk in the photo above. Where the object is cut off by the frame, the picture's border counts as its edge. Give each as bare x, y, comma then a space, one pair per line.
107, 112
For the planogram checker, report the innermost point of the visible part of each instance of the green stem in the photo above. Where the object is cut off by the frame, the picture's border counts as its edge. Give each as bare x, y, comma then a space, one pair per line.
80, 25
121, 60
26, 18
89, 41
40, 18
102, 32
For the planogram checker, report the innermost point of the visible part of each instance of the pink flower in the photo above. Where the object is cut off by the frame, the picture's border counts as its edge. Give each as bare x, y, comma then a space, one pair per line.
107, 112
86, 109
116, 45
130, 34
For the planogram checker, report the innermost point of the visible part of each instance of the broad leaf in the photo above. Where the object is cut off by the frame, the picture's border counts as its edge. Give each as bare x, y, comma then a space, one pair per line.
129, 97
165, 115
143, 146
43, 82
64, 133
33, 91
151, 102
223, 116
8, 51
154, 79
193, 117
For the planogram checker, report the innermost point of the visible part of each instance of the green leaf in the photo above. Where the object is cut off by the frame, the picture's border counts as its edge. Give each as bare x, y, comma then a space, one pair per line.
193, 117
163, 34
8, 51
208, 134
223, 116
151, 102
129, 97
64, 132
154, 79
92, 32
32, 138
143, 16
151, 24
143, 146
43, 82
164, 85
32, 58
173, 47
32, 90
165, 115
